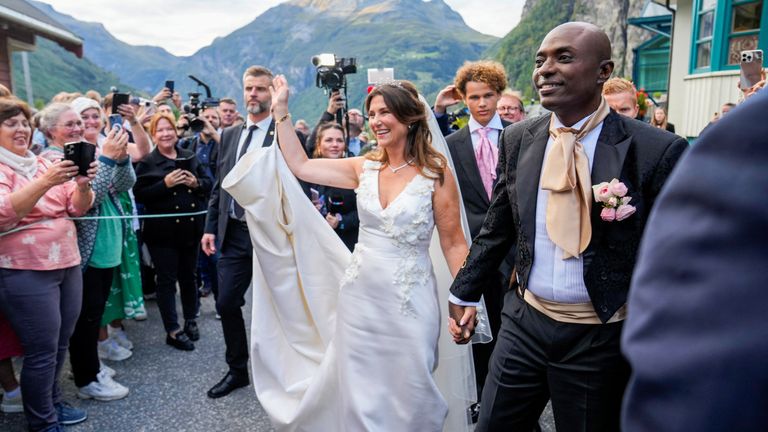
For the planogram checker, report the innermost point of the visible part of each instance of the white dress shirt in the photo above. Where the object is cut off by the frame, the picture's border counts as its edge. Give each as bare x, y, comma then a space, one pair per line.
495, 127
553, 278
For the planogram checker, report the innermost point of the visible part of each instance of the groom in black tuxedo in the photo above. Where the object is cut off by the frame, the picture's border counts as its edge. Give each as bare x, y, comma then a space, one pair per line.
480, 85
561, 324
225, 226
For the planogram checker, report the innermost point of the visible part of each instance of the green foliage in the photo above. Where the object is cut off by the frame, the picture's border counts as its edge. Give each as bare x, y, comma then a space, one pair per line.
517, 50
53, 70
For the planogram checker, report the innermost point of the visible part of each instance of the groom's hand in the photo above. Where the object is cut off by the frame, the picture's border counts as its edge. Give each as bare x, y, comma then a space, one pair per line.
461, 322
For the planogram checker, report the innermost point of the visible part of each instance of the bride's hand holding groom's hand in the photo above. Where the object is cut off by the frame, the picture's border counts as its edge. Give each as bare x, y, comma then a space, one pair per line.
461, 322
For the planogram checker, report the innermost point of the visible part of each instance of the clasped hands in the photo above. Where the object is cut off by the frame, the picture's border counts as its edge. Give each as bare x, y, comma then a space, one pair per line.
180, 176
461, 322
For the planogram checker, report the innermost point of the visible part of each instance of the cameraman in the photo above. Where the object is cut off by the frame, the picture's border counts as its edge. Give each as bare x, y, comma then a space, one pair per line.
356, 121
205, 146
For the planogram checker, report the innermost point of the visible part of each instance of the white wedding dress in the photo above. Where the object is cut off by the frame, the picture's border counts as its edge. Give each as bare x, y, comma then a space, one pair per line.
344, 342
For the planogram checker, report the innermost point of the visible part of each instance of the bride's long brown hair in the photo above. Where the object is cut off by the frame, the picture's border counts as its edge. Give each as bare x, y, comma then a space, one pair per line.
402, 100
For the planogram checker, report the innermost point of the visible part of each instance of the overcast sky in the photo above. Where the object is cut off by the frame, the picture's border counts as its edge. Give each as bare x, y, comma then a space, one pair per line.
184, 26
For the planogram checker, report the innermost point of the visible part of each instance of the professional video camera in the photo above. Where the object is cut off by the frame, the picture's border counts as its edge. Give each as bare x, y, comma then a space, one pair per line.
332, 71
194, 106
332, 76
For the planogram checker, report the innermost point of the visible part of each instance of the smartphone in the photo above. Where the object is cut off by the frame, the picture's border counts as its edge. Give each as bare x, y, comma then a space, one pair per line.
119, 99
751, 67
314, 195
82, 154
335, 204
169, 85
184, 164
115, 120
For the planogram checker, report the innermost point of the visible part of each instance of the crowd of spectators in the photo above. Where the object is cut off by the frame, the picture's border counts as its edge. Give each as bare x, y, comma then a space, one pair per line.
68, 283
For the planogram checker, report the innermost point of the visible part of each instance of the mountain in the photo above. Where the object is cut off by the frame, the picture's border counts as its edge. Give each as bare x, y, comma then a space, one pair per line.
53, 70
517, 50
424, 41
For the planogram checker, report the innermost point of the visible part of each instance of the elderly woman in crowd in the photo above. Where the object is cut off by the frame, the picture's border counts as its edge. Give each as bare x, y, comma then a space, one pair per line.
60, 124
339, 206
40, 277
171, 180
125, 299
100, 242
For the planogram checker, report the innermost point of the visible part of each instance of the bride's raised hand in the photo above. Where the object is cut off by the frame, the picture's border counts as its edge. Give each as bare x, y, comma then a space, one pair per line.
279, 91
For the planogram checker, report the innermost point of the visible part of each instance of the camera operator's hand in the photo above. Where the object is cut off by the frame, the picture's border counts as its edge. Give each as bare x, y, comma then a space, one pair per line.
447, 97
174, 178
176, 99
279, 91
208, 130
332, 219
335, 102
162, 95
115, 146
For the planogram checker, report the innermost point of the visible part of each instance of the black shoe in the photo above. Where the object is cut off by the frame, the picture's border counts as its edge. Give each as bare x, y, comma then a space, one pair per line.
181, 342
191, 330
226, 385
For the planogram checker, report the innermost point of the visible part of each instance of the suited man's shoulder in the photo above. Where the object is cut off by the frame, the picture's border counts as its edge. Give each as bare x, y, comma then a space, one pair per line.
515, 130
649, 137
458, 136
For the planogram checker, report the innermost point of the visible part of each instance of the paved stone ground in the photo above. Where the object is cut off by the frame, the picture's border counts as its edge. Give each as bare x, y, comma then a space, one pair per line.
168, 387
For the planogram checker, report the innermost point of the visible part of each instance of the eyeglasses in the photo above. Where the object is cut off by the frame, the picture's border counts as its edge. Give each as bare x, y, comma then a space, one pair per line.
509, 109
71, 125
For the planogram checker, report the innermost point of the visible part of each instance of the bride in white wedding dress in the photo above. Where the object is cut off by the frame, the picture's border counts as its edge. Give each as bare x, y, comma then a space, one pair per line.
345, 343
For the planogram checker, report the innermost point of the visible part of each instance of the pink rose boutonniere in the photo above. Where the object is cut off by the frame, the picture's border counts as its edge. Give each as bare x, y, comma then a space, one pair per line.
613, 196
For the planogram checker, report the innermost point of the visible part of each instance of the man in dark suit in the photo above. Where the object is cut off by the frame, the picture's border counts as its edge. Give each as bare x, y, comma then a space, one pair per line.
474, 150
561, 324
697, 336
225, 226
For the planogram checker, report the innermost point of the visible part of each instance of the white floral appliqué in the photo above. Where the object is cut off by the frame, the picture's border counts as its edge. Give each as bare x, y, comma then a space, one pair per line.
54, 253
28, 239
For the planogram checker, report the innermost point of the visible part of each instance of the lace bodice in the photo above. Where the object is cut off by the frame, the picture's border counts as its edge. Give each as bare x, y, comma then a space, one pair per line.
401, 232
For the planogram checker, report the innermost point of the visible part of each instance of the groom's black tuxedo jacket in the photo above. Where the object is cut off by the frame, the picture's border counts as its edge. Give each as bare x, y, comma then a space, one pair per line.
218, 206
476, 201
637, 154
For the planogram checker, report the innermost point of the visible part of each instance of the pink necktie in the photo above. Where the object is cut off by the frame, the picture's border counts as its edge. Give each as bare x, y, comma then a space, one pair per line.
487, 157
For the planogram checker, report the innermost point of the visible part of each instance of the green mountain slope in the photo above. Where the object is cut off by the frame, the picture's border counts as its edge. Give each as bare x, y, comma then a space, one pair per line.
424, 41
53, 70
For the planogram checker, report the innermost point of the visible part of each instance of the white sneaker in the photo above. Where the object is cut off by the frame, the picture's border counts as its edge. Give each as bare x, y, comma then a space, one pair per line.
119, 336
110, 350
103, 389
106, 370
12, 404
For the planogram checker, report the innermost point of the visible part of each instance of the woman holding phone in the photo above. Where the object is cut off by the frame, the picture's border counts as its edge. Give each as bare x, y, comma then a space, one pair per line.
171, 180
99, 241
40, 277
339, 206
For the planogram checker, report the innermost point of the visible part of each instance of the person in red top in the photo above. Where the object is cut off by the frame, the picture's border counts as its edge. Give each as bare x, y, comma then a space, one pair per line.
40, 277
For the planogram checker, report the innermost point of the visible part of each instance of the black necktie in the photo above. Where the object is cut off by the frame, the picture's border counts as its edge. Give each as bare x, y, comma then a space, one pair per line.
239, 211
247, 141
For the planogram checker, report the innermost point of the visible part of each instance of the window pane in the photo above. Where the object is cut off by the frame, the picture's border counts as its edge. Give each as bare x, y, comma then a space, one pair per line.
708, 4
705, 24
746, 17
738, 44
703, 55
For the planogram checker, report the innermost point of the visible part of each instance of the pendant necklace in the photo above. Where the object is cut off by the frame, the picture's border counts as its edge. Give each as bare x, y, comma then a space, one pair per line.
398, 168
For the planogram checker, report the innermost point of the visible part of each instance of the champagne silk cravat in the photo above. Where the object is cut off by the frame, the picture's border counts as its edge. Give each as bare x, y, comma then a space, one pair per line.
567, 178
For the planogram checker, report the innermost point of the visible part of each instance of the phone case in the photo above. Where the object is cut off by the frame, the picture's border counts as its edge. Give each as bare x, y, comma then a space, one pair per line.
751, 68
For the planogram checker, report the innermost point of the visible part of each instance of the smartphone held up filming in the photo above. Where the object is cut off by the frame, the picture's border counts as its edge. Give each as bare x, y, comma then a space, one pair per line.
82, 154
751, 67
